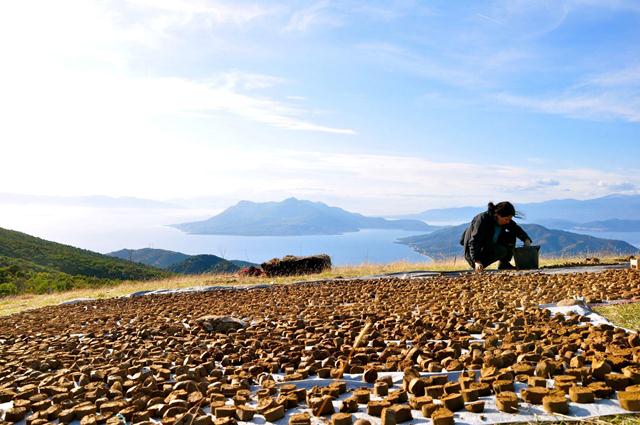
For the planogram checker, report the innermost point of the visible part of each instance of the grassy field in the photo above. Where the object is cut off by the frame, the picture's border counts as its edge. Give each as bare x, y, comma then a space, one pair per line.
625, 315
14, 304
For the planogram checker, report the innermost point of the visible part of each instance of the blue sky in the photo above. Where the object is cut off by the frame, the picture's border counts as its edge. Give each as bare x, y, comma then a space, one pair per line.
379, 107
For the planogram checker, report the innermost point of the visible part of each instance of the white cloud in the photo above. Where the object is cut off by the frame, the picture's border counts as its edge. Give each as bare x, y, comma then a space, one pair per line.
588, 104
158, 166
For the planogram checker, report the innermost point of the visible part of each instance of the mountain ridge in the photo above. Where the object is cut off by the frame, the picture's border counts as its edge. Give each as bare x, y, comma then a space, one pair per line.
292, 217
616, 206
179, 262
445, 243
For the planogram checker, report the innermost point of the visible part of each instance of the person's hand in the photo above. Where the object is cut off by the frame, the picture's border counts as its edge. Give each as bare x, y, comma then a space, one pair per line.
527, 242
479, 267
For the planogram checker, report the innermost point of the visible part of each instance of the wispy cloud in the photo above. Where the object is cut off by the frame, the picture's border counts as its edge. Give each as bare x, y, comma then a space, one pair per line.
398, 58
316, 14
610, 95
595, 106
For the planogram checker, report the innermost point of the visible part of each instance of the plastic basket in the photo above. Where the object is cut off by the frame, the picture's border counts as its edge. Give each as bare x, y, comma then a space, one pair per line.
527, 257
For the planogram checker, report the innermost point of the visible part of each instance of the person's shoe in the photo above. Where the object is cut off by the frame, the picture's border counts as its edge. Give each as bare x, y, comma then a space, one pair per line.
506, 266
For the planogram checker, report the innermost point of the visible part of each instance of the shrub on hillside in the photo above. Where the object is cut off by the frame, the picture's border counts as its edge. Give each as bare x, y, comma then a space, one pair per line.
7, 289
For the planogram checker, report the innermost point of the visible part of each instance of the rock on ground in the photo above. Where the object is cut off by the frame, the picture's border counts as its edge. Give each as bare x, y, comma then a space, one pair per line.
291, 265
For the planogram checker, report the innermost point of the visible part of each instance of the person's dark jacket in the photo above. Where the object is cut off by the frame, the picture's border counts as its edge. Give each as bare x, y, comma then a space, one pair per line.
480, 233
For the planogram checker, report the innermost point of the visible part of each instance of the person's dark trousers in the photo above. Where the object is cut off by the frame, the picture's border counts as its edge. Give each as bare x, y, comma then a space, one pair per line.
492, 253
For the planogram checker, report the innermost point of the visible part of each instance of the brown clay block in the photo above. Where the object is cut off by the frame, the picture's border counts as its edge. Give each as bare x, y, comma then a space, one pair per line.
67, 416
362, 395
15, 414
322, 406
402, 411
439, 379
81, 412
301, 394
629, 400
475, 407
300, 419
361, 422
534, 395
563, 386
599, 368
396, 397
435, 391
453, 402
429, 408
581, 394
556, 403
381, 389
287, 388
417, 402
263, 405
442, 416
500, 386
484, 390
601, 390
341, 419
388, 379
536, 381
507, 402
452, 387
617, 381
375, 407
370, 375
565, 378
217, 421
324, 373
341, 386
225, 412
416, 387
388, 417
633, 373
631, 389
274, 414
469, 395
349, 405
245, 413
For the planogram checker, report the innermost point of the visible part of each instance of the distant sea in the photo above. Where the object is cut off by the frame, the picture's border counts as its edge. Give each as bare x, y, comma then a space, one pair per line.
106, 230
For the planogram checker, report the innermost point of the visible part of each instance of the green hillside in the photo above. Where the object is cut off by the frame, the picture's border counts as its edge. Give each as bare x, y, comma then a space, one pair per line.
31, 264
160, 258
198, 264
179, 262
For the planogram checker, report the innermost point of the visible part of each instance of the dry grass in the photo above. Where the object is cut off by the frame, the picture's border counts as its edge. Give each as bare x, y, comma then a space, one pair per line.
625, 315
630, 419
14, 304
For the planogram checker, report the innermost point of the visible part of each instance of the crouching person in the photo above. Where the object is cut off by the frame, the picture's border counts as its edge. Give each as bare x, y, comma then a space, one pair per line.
491, 237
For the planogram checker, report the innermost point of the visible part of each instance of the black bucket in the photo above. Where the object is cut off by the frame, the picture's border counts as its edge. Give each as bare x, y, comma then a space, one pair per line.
527, 257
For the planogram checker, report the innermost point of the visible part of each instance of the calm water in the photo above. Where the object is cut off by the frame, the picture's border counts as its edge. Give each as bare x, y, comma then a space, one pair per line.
107, 230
